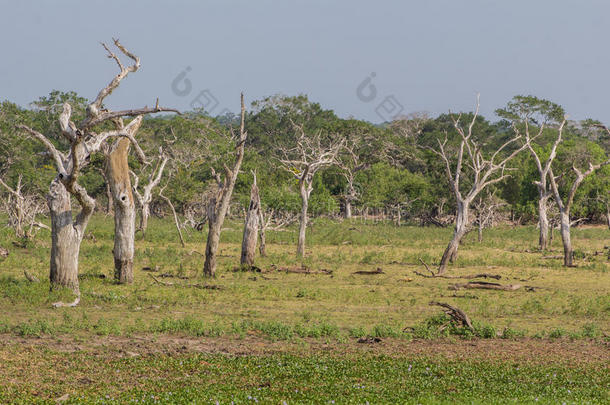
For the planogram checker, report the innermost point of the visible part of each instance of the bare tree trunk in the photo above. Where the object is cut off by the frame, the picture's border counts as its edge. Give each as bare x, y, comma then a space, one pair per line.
608, 214
480, 231
144, 215
348, 209
461, 226
398, 216
65, 239
543, 223
124, 212
568, 253
248, 246
303, 224
211, 246
262, 249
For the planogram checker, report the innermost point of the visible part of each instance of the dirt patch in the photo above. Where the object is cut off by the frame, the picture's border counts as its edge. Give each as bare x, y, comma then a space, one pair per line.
534, 351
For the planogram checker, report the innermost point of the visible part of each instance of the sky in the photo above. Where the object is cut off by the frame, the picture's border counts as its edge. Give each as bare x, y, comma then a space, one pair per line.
365, 59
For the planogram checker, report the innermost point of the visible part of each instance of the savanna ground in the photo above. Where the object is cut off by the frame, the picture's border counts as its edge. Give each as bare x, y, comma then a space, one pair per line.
276, 337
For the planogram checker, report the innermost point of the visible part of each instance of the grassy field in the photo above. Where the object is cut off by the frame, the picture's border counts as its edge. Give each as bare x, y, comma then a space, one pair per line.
309, 323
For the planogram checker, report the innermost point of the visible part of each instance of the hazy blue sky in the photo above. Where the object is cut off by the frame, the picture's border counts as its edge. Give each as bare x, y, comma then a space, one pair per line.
430, 55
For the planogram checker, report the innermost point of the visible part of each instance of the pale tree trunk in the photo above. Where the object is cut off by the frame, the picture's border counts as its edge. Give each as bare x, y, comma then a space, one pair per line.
144, 215
348, 209
124, 212
65, 239
262, 248
608, 214
305, 192
543, 223
568, 254
461, 227
248, 246
480, 232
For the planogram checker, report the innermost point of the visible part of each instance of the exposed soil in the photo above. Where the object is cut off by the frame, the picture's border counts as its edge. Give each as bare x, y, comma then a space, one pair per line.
529, 350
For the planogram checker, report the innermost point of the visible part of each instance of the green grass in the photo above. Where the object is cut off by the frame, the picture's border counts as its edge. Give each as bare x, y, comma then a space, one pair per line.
378, 305
321, 379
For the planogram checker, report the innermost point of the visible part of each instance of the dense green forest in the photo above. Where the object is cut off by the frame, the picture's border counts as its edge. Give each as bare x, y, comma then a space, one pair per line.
395, 172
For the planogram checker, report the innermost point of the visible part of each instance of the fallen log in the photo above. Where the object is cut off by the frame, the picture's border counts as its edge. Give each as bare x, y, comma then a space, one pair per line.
300, 270
485, 286
370, 272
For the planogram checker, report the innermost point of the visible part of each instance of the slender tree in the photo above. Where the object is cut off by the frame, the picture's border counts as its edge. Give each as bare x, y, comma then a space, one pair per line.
303, 161
251, 227
219, 204
484, 172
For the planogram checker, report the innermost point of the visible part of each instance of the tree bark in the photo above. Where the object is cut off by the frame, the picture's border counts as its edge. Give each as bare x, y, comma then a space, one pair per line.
608, 214
461, 226
543, 223
303, 225
348, 209
248, 246
65, 239
568, 254
124, 212
211, 246
144, 215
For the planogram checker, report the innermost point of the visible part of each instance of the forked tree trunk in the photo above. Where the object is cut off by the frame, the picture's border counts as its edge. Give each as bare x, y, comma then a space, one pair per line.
543, 223
303, 224
568, 254
124, 212
248, 246
461, 227
65, 239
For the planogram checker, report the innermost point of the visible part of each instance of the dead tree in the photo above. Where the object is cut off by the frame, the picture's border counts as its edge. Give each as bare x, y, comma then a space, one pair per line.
484, 171
145, 197
67, 232
486, 208
544, 189
350, 164
117, 173
22, 209
310, 154
251, 227
219, 204
565, 204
